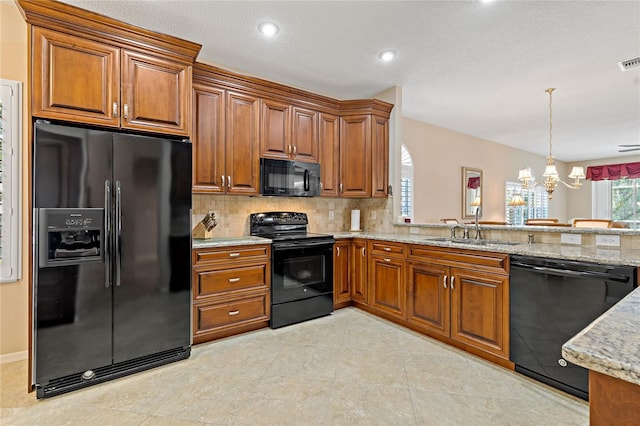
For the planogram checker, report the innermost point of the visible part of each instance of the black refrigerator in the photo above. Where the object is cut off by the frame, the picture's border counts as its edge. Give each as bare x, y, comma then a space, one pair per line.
112, 255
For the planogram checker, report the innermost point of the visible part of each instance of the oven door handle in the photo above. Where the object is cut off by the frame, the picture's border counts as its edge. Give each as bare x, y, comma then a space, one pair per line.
302, 244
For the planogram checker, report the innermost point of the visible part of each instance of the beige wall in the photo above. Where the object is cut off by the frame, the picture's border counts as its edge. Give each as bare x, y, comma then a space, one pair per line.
14, 296
439, 154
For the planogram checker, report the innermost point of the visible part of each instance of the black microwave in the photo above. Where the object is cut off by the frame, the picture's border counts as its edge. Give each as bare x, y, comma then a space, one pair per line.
289, 178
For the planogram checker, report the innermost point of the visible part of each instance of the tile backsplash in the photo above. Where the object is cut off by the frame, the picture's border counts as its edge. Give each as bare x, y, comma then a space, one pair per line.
232, 212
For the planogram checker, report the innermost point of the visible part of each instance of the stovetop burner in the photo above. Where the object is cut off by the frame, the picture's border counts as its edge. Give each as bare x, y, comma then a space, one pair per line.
283, 226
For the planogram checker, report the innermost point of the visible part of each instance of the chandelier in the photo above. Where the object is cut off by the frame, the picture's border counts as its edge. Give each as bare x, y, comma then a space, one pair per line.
551, 178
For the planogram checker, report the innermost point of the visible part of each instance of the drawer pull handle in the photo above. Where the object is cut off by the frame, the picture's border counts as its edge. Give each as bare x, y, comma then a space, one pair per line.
445, 281
115, 110
234, 280
234, 254
386, 259
387, 249
232, 313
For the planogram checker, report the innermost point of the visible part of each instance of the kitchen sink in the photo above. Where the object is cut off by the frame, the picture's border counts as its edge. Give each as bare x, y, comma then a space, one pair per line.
472, 242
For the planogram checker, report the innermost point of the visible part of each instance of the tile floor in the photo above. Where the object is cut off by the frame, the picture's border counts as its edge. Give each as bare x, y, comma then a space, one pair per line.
350, 368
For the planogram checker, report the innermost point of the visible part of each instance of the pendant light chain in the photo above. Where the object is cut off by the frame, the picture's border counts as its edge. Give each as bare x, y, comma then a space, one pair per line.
550, 91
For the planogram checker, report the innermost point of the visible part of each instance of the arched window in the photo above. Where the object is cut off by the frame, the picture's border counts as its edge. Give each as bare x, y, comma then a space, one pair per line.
406, 183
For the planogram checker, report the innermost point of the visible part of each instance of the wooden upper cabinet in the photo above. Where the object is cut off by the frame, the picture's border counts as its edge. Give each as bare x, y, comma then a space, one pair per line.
242, 144
208, 139
305, 135
380, 157
91, 69
355, 156
329, 154
75, 79
275, 123
155, 94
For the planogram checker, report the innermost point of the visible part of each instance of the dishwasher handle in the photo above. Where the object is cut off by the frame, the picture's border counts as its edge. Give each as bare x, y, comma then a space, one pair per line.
571, 273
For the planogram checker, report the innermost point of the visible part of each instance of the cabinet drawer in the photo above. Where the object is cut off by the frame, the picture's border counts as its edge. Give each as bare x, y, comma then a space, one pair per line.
203, 256
209, 317
385, 248
208, 283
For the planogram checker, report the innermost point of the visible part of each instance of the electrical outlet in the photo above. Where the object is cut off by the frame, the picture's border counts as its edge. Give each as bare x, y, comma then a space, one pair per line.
571, 238
608, 240
332, 214
414, 230
372, 215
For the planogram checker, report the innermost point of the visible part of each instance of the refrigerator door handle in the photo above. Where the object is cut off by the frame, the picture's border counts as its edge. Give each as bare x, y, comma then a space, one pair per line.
118, 232
106, 239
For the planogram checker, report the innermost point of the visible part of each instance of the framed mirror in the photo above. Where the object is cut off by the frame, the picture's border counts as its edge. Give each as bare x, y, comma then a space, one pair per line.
471, 192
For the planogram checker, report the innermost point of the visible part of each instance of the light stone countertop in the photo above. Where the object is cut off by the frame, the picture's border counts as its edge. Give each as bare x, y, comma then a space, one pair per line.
228, 241
611, 344
610, 256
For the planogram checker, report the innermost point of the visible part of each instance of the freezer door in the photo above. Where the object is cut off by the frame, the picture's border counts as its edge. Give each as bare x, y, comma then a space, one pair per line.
72, 303
152, 225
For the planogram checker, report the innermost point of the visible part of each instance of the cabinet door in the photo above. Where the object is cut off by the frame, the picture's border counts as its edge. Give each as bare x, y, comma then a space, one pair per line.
274, 130
341, 259
242, 161
387, 285
380, 153
479, 310
155, 94
359, 271
329, 154
305, 135
75, 79
355, 156
429, 297
208, 139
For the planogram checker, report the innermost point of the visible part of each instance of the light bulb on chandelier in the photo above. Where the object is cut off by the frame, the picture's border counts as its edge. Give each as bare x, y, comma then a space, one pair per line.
551, 177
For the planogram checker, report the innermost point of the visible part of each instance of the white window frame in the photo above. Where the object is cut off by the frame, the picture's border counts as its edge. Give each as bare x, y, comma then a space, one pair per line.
538, 202
406, 182
10, 241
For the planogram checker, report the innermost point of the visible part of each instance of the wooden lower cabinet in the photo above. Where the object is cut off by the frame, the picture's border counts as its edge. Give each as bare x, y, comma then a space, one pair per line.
460, 295
479, 310
231, 290
387, 285
341, 279
428, 299
359, 271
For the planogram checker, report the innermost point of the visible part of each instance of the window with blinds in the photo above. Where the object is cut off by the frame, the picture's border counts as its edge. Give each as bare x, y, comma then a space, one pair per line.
405, 197
406, 183
10, 137
536, 204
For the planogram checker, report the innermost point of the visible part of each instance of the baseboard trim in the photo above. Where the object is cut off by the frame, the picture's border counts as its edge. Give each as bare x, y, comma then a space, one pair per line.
13, 357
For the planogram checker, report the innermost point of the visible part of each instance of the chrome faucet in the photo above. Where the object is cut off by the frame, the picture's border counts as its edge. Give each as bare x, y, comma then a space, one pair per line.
477, 225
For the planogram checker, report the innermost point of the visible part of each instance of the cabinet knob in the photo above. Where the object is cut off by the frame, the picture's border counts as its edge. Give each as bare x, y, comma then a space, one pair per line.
232, 313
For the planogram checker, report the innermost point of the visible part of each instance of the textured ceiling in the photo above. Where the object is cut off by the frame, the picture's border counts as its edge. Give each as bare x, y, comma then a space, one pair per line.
477, 68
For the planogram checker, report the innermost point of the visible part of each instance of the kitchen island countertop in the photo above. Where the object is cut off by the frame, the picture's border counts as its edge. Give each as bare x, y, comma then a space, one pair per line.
610, 345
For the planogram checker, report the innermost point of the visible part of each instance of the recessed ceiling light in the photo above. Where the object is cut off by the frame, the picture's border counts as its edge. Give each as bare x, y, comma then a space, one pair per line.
268, 28
487, 1
387, 55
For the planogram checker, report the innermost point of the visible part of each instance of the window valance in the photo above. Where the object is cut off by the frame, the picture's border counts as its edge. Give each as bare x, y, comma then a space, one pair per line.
614, 171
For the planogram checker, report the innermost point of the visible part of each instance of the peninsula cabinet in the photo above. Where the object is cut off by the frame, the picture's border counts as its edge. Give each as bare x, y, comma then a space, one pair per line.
387, 269
82, 80
462, 295
341, 269
231, 288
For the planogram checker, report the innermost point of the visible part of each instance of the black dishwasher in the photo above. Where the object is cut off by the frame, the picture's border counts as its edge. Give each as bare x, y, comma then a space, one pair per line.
551, 300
